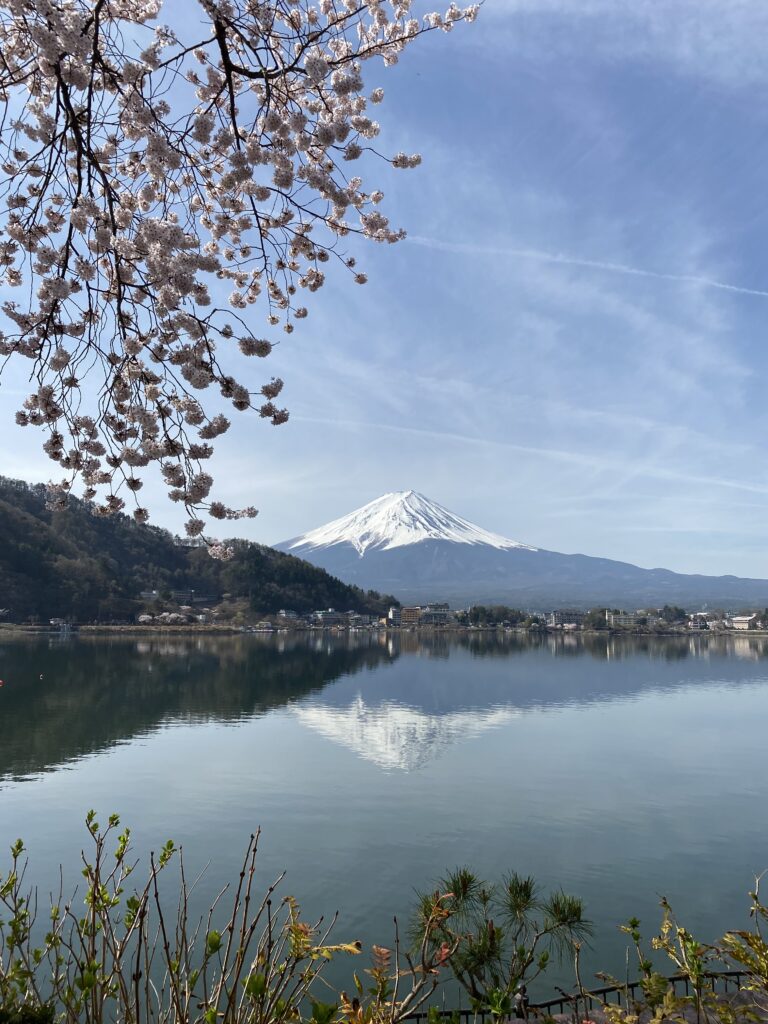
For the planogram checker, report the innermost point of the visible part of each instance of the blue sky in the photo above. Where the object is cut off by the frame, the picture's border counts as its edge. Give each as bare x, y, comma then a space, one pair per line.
569, 349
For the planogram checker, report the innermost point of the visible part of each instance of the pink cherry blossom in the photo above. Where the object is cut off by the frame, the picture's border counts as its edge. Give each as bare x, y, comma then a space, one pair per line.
147, 169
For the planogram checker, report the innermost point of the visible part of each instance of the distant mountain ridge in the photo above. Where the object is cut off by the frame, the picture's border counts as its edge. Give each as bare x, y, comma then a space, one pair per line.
406, 544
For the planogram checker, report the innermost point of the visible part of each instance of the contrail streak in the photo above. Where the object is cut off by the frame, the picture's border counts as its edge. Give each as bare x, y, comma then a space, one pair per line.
541, 256
596, 462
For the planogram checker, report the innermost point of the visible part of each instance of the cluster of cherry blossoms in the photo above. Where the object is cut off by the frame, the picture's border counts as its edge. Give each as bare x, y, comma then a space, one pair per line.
149, 173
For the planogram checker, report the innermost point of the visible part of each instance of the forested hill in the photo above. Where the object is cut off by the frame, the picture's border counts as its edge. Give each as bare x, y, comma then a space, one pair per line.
72, 564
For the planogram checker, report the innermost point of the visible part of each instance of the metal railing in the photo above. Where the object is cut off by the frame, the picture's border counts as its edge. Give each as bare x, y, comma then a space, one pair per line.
620, 995
723, 981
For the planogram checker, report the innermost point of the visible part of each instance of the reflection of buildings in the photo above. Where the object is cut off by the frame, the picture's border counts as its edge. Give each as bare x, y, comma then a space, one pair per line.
408, 643
394, 735
750, 648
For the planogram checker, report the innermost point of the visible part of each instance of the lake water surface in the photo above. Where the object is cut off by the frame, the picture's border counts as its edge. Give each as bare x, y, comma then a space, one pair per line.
622, 770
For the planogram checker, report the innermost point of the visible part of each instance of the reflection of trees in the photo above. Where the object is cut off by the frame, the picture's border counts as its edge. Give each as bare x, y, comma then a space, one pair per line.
501, 645
62, 701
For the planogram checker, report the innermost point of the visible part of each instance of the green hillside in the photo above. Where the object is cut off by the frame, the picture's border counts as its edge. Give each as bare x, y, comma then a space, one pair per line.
75, 565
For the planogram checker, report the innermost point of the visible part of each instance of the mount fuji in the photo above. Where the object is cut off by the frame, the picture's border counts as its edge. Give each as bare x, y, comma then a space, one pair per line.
408, 545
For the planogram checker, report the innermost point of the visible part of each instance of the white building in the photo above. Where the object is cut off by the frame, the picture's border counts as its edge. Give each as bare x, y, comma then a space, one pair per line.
393, 616
744, 621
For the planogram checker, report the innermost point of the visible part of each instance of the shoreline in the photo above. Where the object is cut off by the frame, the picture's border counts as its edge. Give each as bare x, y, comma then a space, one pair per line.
199, 629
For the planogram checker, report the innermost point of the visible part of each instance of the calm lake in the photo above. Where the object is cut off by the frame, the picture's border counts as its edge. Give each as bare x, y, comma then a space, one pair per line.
621, 770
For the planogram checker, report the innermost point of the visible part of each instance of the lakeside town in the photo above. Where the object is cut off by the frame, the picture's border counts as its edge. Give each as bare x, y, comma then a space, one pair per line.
178, 614
479, 617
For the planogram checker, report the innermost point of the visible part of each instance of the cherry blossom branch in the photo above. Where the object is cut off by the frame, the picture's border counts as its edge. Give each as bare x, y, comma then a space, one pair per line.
139, 174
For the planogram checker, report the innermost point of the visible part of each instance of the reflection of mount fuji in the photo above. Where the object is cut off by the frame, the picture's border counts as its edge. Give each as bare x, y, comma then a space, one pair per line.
413, 712
398, 701
395, 736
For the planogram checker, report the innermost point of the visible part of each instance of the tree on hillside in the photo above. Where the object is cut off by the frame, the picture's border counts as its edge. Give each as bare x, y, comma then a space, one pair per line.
146, 171
69, 563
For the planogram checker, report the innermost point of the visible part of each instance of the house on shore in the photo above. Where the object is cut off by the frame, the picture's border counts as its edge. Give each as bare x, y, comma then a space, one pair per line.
744, 621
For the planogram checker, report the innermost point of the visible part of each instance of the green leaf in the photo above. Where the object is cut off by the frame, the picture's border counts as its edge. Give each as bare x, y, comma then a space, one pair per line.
322, 1013
255, 986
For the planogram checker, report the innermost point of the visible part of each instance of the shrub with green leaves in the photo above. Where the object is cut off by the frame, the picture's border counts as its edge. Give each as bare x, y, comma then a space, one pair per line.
502, 935
114, 953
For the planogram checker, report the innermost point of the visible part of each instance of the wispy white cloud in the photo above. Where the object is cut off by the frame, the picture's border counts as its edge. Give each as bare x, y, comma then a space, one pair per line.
709, 38
585, 459
541, 256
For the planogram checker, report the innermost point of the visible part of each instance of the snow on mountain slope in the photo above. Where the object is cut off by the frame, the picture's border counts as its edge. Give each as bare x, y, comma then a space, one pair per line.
397, 520
406, 545
395, 736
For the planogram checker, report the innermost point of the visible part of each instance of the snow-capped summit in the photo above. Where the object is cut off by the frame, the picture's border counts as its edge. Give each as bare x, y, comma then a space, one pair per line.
394, 521
408, 546
398, 736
